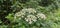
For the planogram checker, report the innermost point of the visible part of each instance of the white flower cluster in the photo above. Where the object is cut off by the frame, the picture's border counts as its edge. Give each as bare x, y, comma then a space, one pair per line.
29, 17
19, 15
41, 15
29, 10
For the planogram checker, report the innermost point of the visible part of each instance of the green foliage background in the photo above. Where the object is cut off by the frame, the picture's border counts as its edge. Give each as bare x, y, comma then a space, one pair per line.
51, 8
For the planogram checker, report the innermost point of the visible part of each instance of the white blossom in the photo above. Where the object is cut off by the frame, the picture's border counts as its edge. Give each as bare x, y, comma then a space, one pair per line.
41, 15
20, 14
29, 10
31, 18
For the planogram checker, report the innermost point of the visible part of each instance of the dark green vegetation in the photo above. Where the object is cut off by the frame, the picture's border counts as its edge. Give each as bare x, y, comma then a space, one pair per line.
51, 8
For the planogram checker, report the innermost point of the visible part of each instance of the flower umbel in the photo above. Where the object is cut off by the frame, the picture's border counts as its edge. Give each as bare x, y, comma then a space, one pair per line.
31, 18
30, 15
29, 10
41, 15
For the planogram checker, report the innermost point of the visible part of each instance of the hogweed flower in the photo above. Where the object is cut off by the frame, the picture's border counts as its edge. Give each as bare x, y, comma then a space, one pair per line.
41, 15
29, 10
30, 15
31, 18
20, 14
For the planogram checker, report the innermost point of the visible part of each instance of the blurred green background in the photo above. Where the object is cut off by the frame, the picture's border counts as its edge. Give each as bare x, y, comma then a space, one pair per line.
8, 9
